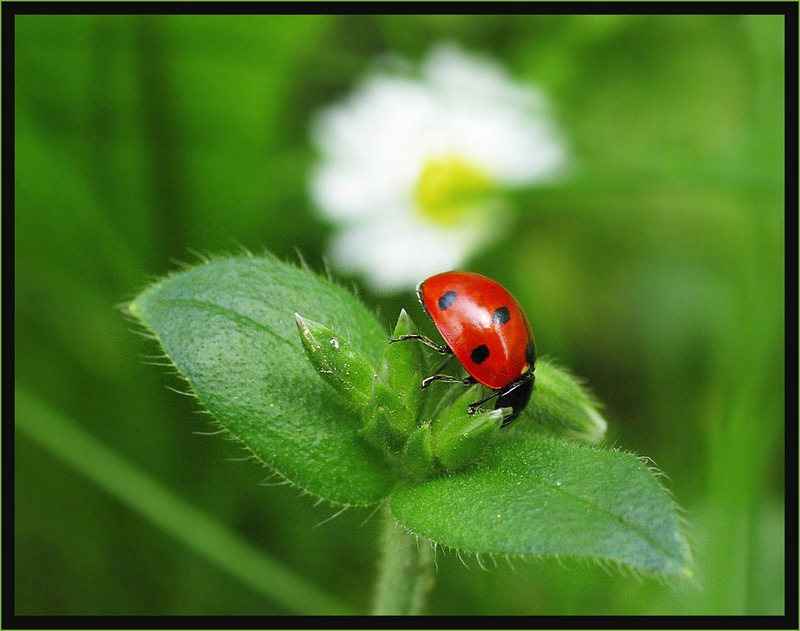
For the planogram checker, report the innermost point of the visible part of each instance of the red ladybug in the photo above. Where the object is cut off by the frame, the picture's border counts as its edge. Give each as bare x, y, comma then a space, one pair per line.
486, 330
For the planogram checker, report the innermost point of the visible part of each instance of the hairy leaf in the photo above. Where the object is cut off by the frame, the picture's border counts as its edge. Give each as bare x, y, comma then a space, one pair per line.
562, 405
229, 326
535, 495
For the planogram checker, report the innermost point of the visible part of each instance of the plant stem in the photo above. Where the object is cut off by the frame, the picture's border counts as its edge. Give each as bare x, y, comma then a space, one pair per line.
406, 573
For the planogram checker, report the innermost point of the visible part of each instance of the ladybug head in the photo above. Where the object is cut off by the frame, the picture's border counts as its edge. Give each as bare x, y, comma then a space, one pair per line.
515, 396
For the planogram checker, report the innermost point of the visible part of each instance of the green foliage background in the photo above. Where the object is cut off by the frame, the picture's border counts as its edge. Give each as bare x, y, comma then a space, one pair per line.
655, 272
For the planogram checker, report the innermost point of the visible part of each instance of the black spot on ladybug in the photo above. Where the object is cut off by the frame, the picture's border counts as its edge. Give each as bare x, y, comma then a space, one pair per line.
448, 299
479, 354
501, 315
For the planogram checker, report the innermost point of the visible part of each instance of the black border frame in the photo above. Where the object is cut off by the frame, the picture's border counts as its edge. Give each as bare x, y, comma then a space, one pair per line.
789, 620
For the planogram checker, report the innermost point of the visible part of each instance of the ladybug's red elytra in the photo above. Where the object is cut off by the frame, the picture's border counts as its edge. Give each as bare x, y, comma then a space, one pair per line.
487, 331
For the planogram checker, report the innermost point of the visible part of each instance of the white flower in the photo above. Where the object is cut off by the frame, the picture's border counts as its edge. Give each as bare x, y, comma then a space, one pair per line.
412, 169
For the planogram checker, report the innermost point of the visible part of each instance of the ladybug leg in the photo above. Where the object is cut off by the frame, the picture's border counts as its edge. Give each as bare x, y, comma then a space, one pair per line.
439, 377
473, 407
467, 381
444, 350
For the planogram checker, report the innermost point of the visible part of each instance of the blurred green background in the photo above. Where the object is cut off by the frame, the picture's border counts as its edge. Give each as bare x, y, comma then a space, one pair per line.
655, 271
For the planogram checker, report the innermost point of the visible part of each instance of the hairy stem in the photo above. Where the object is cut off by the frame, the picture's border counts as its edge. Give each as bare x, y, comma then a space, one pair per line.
406, 572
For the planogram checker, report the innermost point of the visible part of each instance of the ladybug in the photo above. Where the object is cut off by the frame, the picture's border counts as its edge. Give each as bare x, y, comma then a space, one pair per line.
486, 330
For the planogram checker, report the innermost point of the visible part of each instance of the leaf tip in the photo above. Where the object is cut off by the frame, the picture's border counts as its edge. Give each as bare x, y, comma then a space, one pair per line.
302, 325
597, 425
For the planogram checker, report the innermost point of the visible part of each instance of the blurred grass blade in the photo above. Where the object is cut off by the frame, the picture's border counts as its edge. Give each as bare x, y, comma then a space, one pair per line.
147, 497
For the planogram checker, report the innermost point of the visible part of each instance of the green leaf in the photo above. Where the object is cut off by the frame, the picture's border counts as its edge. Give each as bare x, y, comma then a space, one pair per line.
535, 495
229, 326
562, 405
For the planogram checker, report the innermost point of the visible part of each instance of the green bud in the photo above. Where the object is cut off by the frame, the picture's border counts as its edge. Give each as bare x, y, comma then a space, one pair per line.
403, 364
563, 406
377, 430
459, 437
387, 399
418, 458
337, 362
387, 422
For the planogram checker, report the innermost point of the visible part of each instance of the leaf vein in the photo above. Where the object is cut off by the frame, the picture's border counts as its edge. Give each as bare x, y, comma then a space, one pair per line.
228, 311
634, 527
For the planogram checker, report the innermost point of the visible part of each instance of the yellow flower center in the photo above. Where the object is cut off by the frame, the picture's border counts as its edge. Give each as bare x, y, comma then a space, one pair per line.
450, 190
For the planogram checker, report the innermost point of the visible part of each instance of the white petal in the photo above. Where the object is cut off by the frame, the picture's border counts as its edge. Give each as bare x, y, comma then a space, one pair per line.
513, 147
376, 143
374, 146
459, 76
396, 253
345, 191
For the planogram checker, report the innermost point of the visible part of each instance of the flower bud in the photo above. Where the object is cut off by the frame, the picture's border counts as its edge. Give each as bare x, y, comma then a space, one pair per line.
418, 458
403, 364
459, 437
387, 421
337, 362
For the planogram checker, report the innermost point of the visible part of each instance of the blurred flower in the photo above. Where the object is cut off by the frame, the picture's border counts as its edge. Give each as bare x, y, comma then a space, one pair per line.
413, 169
